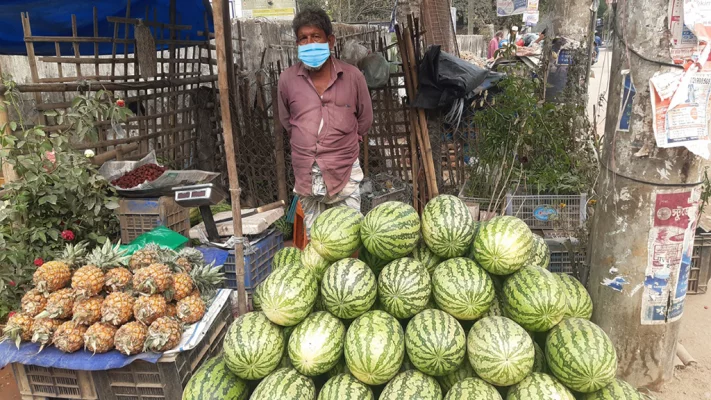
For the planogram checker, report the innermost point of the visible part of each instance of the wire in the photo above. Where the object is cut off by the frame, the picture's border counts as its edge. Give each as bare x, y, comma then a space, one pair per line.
652, 183
618, 34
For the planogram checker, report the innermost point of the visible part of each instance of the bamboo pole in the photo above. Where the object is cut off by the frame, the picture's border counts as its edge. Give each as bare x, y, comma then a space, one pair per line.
414, 163
8, 172
279, 148
223, 82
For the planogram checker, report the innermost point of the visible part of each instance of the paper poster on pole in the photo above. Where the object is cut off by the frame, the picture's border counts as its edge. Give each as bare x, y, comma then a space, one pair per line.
697, 17
683, 41
505, 8
531, 18
532, 6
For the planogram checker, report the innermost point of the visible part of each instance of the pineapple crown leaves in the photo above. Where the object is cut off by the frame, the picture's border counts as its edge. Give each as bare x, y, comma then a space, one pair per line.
14, 333
194, 256
207, 277
108, 256
74, 254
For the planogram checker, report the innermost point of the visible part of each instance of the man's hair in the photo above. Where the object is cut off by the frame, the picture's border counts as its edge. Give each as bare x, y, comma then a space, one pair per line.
313, 17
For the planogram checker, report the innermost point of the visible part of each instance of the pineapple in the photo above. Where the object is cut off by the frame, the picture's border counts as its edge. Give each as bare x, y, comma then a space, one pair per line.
156, 278
18, 329
69, 337
191, 309
147, 309
33, 302
129, 339
117, 308
163, 335
59, 305
188, 258
183, 285
54, 275
43, 329
207, 278
108, 258
99, 338
88, 311
88, 281
118, 279
171, 310
144, 257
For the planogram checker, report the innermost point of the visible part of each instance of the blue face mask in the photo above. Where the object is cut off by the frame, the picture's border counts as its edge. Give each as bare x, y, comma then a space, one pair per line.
314, 55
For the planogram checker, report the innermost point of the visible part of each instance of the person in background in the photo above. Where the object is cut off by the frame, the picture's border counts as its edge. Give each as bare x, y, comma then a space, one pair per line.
494, 44
325, 108
515, 35
541, 37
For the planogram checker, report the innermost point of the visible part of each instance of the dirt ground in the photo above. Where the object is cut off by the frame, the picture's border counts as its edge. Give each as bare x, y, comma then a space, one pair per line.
8, 387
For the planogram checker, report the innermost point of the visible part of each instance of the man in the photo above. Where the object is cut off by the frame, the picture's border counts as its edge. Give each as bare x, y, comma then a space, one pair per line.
325, 107
494, 44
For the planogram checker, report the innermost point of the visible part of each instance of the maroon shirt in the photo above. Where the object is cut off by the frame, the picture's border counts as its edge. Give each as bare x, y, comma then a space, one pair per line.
347, 114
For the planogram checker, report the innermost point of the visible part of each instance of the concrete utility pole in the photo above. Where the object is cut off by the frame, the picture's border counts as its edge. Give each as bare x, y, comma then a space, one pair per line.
635, 172
470, 17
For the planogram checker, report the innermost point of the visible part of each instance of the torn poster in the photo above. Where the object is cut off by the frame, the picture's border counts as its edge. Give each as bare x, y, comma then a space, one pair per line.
628, 94
531, 18
505, 8
683, 41
697, 17
670, 243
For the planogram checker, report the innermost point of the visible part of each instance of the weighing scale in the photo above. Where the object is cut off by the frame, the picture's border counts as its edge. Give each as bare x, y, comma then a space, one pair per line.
202, 196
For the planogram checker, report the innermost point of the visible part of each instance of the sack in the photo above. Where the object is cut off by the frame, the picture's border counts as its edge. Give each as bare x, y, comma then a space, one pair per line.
353, 52
161, 236
376, 70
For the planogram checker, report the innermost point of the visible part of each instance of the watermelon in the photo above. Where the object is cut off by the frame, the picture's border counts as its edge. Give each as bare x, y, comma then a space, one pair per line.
462, 289
435, 342
581, 355
472, 389
318, 304
497, 307
253, 346
214, 381
534, 299
316, 344
471, 250
285, 384
578, 301
431, 304
335, 234
285, 361
447, 226
313, 261
404, 287
503, 245
345, 387
423, 254
391, 230
500, 351
539, 363
406, 363
349, 288
256, 300
376, 264
339, 368
286, 256
375, 345
539, 386
464, 371
540, 255
617, 390
412, 385
288, 294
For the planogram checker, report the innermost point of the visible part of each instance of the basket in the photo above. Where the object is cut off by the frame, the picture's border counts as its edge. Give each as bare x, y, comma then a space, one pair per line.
700, 271
548, 211
257, 261
37, 383
138, 216
479, 206
560, 256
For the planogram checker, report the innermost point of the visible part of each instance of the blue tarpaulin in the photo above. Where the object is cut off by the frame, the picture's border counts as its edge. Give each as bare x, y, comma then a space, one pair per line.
54, 18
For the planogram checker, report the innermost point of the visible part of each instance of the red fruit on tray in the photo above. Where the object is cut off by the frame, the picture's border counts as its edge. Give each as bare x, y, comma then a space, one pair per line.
148, 172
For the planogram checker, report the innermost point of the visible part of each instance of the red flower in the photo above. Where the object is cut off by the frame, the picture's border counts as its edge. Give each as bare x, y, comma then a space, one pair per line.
12, 283
68, 235
120, 103
10, 314
38, 262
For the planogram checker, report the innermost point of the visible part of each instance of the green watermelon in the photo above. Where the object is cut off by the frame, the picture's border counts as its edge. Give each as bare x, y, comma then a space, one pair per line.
256, 300
581, 355
339, 368
500, 351
316, 344
540, 255
431, 304
578, 301
617, 390
285, 361
345, 387
464, 371
435, 342
539, 386
447, 226
534, 299
286, 256
285, 384
214, 381
497, 307
375, 345
335, 234
288, 294
462, 289
391, 230
349, 288
404, 288
253, 346
376, 264
313, 261
412, 385
471, 250
423, 254
318, 304
472, 389
406, 363
539, 363
503, 245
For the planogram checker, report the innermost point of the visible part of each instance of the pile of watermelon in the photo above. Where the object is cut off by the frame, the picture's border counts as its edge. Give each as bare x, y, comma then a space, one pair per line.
435, 307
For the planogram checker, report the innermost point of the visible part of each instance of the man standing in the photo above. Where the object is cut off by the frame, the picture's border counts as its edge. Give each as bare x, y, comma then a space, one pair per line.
494, 44
325, 107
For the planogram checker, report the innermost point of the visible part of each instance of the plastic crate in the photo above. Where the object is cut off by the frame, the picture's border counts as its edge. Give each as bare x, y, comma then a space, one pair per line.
548, 211
700, 271
560, 256
138, 216
37, 383
257, 262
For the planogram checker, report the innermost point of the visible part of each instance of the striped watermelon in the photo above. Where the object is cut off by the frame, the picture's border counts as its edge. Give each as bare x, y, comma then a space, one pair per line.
375, 346
423, 254
376, 264
256, 300
288, 294
285, 384
339, 368
539, 363
534, 299
349, 288
313, 261
318, 304
412, 385
471, 250
540, 255
406, 363
447, 226
286, 256
578, 301
391, 230
503, 245
253, 346
404, 287
435, 342
335, 234
463, 372
345, 387
500, 351
581, 355
617, 390
285, 361
462, 289
316, 344
214, 381
472, 389
539, 386
497, 307
431, 304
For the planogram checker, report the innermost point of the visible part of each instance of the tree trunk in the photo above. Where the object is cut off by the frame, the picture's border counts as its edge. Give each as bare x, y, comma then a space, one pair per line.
470, 17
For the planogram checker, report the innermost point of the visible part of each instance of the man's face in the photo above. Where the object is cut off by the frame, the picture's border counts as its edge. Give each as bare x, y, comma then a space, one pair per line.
310, 34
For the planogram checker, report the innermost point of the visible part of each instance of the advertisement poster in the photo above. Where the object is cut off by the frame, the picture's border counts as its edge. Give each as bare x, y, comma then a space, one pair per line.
531, 18
697, 17
532, 6
505, 8
628, 94
670, 246
683, 41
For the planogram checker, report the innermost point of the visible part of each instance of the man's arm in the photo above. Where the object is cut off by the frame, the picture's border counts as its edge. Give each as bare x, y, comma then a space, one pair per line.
364, 110
284, 113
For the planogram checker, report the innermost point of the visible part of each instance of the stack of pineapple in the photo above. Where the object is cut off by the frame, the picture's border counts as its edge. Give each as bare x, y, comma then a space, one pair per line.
101, 300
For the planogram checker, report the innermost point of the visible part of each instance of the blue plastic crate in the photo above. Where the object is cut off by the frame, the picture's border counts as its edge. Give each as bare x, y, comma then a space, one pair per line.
257, 263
